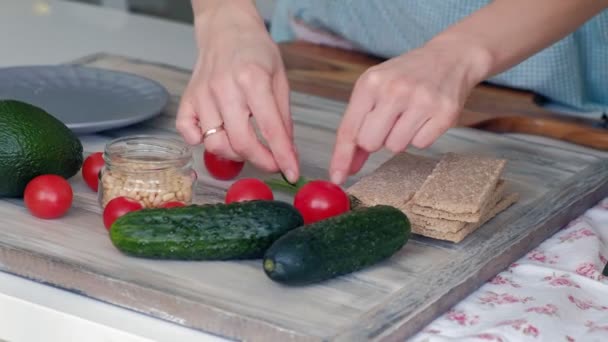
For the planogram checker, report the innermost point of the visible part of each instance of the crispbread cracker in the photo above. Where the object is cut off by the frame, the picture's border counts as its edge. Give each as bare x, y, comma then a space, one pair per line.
465, 217
449, 225
458, 236
395, 181
460, 183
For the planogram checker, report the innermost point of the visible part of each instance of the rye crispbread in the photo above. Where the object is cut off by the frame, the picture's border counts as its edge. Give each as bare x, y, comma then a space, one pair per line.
459, 184
458, 236
495, 196
395, 182
451, 225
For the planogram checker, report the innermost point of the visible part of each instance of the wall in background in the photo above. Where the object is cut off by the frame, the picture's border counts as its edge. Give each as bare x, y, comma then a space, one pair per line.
177, 10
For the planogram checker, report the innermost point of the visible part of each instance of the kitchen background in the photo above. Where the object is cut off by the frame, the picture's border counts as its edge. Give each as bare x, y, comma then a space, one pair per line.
177, 10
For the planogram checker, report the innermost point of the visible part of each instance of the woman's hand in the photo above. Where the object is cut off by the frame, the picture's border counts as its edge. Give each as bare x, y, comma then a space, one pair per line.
414, 98
239, 74
410, 99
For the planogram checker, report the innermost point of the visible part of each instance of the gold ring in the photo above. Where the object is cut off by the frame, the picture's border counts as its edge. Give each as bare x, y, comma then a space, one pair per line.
213, 131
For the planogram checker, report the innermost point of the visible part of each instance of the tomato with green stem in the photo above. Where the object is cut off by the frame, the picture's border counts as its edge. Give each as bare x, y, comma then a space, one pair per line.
283, 185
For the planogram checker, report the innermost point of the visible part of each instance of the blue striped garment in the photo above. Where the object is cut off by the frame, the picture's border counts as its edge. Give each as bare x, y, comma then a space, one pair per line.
572, 72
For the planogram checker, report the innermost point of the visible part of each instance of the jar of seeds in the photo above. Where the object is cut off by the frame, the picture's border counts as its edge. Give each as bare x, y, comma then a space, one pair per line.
152, 170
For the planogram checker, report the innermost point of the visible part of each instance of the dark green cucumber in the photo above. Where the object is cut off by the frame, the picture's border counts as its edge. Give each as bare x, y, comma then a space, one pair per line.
336, 246
205, 232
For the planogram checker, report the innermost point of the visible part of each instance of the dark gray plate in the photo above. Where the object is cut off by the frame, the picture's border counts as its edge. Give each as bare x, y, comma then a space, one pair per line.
86, 99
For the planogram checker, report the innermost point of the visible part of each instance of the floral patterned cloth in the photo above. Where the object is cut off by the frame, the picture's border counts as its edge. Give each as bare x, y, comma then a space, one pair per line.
555, 293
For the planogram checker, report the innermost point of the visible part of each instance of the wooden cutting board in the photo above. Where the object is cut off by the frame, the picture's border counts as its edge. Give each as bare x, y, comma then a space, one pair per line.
388, 302
331, 73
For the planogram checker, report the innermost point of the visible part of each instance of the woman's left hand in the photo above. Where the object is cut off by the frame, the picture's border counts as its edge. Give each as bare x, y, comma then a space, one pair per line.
410, 99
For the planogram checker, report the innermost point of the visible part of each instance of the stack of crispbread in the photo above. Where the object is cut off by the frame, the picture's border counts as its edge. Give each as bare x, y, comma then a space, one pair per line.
445, 199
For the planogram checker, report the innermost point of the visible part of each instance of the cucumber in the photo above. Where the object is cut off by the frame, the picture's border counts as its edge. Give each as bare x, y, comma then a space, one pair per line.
240, 230
336, 246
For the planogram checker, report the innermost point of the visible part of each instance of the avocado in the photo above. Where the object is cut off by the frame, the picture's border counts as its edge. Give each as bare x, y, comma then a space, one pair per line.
32, 143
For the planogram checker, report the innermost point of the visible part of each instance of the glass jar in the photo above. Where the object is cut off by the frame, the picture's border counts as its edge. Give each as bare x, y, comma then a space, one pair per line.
152, 170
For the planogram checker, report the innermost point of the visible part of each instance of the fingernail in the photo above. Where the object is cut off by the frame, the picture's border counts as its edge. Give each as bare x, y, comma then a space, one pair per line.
337, 177
291, 176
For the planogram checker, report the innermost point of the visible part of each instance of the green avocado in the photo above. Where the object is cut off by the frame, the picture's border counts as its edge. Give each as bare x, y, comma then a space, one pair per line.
32, 143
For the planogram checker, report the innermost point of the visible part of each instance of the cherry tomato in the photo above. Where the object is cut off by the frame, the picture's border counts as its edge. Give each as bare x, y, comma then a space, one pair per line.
318, 200
48, 196
172, 204
248, 189
222, 168
118, 207
91, 168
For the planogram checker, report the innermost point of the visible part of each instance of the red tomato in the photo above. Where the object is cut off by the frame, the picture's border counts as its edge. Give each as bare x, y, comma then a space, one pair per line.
222, 168
90, 170
118, 207
172, 204
48, 196
248, 189
318, 200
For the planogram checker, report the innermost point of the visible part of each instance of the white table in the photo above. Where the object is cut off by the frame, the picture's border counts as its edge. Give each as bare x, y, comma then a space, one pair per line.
48, 32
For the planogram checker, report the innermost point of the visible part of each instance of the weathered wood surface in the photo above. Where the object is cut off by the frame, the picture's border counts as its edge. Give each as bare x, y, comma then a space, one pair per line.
236, 300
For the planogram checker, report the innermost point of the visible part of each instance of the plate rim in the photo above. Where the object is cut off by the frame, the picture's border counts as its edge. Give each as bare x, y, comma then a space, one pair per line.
102, 125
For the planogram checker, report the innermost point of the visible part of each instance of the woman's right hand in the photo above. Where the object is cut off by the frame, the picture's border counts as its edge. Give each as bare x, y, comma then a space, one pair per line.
239, 74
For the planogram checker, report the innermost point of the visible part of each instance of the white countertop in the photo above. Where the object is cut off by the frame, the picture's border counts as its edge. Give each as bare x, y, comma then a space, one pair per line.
50, 32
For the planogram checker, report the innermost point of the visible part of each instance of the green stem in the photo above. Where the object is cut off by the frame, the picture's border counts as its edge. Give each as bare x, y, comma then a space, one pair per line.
282, 185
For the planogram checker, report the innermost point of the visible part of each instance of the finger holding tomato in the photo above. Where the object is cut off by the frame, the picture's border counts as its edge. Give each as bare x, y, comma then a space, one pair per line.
222, 168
